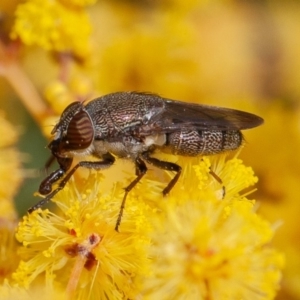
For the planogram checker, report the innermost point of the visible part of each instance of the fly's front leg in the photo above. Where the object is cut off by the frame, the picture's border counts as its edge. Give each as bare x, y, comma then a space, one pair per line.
65, 165
46, 188
165, 165
140, 171
46, 185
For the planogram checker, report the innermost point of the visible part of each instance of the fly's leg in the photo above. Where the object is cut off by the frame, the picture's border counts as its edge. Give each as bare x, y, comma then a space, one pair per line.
53, 177
140, 171
46, 185
165, 165
219, 180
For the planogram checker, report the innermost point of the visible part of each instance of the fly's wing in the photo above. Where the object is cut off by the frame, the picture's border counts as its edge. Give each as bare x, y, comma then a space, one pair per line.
178, 115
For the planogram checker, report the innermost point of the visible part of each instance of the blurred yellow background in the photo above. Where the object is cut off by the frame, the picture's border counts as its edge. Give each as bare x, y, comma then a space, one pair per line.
237, 54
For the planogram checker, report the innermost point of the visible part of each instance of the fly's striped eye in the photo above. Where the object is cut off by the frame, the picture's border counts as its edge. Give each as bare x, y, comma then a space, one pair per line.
80, 132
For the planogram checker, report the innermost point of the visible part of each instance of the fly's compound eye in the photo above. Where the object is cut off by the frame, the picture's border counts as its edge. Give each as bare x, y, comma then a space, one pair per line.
80, 132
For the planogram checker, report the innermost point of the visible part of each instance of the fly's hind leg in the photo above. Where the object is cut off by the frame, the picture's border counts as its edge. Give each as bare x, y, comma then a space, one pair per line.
219, 180
165, 165
140, 171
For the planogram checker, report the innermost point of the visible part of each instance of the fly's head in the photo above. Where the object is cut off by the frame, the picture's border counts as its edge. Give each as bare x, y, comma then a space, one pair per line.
74, 133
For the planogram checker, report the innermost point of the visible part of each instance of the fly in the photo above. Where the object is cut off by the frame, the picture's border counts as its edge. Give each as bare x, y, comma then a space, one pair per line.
133, 125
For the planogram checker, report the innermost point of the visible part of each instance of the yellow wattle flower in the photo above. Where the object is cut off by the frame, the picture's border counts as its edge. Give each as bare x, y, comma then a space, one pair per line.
53, 25
81, 241
208, 241
203, 241
202, 251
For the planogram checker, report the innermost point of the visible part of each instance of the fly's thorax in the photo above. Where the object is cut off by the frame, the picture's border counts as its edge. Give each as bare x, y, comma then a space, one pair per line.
128, 109
99, 117
118, 113
203, 142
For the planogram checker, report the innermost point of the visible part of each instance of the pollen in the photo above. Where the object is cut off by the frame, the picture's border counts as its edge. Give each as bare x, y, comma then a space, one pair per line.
202, 172
237, 173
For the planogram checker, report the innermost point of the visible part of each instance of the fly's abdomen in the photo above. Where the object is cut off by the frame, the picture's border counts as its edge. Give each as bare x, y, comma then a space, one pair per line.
203, 142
